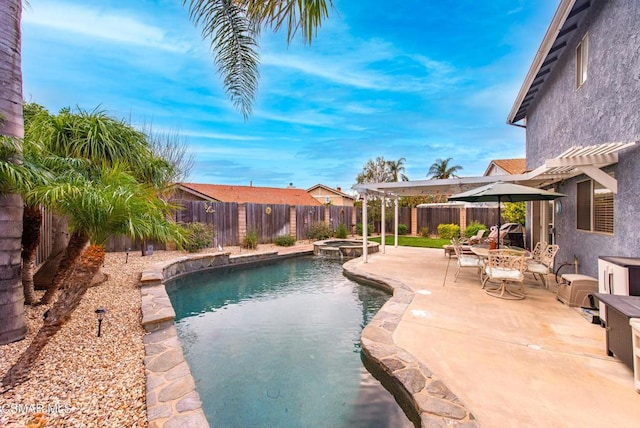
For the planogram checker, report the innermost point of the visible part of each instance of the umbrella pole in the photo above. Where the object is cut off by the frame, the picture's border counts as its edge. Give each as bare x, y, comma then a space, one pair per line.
498, 239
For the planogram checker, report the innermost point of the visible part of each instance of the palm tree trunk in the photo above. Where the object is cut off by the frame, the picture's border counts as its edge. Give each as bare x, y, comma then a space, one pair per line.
77, 243
69, 299
12, 319
32, 221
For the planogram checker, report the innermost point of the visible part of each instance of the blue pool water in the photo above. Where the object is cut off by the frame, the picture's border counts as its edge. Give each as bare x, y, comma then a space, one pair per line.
279, 346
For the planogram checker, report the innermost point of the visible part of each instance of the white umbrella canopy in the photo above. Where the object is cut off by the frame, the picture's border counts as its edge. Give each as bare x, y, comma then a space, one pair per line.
505, 192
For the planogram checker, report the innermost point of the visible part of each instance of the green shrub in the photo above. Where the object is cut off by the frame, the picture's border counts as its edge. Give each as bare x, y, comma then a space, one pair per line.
250, 240
424, 232
199, 236
448, 231
359, 229
319, 230
473, 228
284, 240
341, 231
514, 212
402, 229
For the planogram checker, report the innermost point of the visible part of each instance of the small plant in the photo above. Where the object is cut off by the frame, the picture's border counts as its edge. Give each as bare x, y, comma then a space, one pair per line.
359, 229
424, 232
473, 228
284, 241
341, 231
250, 240
199, 236
319, 230
402, 229
448, 231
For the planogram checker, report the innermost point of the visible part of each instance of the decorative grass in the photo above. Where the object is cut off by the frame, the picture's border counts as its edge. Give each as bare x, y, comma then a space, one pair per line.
413, 241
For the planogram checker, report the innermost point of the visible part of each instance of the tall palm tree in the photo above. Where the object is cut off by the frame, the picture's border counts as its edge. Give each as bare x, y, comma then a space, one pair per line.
396, 170
114, 203
12, 318
440, 169
233, 28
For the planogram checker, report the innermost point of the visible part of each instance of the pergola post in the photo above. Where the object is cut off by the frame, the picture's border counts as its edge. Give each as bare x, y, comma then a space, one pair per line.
364, 228
383, 224
395, 232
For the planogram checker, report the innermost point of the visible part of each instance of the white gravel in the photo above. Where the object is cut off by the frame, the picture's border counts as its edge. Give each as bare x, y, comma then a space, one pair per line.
81, 380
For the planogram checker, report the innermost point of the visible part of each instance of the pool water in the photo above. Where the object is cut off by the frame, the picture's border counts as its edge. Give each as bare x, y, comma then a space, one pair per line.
279, 346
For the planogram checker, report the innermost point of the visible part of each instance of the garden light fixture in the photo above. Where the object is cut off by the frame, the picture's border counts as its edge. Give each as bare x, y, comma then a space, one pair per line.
100, 316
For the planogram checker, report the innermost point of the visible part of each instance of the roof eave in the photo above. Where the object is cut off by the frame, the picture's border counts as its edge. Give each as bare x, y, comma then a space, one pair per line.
547, 42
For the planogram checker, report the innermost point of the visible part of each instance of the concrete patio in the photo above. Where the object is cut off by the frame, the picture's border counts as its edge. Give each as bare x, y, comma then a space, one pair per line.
532, 362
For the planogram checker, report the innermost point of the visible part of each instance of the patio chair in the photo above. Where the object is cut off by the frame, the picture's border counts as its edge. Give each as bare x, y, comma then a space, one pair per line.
505, 266
538, 249
466, 260
543, 264
475, 239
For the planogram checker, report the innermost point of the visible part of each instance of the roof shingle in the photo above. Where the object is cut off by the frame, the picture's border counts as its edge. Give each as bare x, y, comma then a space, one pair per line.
260, 195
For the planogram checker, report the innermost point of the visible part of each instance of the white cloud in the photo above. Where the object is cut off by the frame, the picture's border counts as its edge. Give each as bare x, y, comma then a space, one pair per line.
117, 26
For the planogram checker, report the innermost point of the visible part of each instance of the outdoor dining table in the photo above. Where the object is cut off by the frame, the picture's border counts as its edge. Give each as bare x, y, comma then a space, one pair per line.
482, 251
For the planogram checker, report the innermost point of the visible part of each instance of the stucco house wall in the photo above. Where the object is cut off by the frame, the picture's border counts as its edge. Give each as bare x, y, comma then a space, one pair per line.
605, 109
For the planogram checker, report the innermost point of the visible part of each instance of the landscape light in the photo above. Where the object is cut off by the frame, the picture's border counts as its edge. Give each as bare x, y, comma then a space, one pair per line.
100, 316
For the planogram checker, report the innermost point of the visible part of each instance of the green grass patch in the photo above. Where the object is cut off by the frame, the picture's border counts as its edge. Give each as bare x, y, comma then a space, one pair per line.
413, 241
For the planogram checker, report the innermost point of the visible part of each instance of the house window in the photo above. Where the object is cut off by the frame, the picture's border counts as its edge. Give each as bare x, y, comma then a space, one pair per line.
594, 207
582, 53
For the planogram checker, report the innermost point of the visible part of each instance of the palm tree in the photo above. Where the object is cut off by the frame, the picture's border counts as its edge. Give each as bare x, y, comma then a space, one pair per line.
114, 203
103, 143
440, 169
12, 319
396, 170
233, 26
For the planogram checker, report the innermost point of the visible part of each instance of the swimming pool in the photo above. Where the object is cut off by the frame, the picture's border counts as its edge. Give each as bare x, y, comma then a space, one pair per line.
279, 346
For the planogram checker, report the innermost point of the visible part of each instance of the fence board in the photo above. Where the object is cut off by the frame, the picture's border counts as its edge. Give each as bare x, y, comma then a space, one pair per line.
306, 215
340, 215
486, 216
431, 217
268, 220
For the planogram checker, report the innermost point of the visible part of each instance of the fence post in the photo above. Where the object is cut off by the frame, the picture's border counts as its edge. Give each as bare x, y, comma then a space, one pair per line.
293, 225
414, 221
463, 220
327, 215
242, 222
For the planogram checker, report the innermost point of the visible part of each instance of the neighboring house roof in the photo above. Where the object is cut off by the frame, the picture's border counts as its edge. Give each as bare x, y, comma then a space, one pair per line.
255, 194
509, 166
337, 191
566, 20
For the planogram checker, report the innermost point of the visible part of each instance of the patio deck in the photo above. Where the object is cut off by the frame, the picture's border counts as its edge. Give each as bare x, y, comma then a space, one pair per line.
532, 362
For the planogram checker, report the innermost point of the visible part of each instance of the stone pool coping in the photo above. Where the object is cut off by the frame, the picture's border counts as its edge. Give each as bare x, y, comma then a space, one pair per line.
171, 396
423, 397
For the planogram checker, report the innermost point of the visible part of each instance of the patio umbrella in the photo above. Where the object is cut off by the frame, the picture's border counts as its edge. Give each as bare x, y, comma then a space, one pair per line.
505, 192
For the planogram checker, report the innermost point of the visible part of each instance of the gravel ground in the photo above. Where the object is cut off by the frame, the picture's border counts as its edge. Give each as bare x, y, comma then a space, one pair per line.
81, 380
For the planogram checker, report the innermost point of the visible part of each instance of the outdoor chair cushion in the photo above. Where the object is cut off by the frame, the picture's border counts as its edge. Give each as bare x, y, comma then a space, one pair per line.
504, 273
466, 261
537, 267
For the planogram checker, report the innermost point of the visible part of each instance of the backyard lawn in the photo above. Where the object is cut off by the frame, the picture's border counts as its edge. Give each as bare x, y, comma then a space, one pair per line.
414, 241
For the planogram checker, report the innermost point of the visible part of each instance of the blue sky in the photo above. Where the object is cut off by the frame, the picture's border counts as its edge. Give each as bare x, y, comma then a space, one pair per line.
420, 80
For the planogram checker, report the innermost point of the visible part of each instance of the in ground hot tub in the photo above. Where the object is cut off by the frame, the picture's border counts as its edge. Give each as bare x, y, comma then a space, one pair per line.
342, 248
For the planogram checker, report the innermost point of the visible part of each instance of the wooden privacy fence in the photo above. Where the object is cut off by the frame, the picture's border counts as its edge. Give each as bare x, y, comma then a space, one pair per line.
306, 215
486, 216
268, 221
431, 217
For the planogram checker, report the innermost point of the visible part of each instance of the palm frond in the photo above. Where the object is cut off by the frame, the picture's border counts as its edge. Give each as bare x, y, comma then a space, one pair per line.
233, 40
